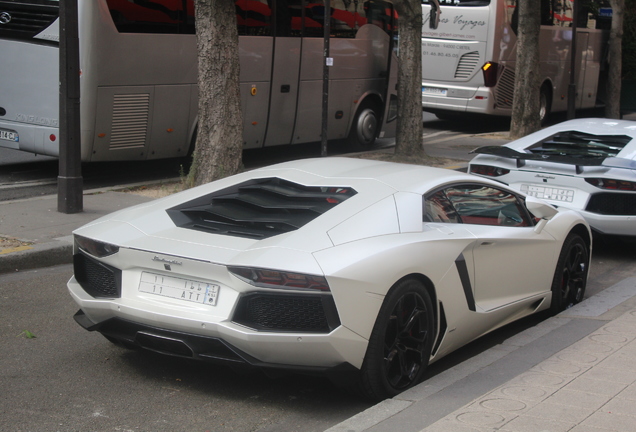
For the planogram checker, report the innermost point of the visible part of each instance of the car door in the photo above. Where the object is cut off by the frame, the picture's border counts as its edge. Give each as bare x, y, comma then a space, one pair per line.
511, 261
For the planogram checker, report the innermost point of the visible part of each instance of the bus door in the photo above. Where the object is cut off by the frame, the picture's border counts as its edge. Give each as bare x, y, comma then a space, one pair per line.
256, 46
285, 71
589, 46
284, 91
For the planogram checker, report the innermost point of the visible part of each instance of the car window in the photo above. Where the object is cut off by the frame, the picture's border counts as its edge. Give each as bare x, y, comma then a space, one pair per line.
437, 208
484, 205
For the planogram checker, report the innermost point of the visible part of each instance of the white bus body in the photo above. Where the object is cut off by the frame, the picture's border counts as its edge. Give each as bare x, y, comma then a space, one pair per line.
473, 33
138, 84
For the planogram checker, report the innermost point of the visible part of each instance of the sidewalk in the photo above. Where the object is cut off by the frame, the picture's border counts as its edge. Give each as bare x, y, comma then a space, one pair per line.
44, 234
573, 372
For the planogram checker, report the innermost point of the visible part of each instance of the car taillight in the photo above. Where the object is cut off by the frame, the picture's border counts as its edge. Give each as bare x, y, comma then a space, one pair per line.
611, 184
94, 247
280, 279
490, 73
487, 170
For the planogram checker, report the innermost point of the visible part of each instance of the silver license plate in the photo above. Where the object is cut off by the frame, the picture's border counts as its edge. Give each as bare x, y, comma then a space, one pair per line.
179, 288
8, 135
434, 91
549, 193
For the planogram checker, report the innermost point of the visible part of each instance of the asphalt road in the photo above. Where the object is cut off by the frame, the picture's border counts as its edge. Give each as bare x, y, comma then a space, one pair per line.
67, 379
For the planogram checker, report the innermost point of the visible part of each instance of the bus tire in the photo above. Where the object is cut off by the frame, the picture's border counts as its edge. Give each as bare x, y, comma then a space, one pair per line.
545, 104
364, 128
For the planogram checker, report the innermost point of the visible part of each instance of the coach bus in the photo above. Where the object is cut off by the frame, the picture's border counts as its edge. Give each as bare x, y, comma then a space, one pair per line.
469, 55
138, 82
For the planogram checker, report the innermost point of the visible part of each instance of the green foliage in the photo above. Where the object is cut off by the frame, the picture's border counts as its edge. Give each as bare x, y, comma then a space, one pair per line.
27, 334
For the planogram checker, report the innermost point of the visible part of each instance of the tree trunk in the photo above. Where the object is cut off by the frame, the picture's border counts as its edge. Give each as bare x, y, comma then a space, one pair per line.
219, 141
525, 105
613, 105
409, 132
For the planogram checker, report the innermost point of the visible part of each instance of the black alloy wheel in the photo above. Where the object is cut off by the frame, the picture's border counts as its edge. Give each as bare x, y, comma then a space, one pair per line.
401, 342
570, 277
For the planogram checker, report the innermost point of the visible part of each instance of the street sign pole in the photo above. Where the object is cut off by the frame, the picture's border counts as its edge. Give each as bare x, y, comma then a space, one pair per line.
327, 62
69, 180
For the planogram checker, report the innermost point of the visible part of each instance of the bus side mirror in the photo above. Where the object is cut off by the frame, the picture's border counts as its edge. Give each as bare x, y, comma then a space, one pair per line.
433, 21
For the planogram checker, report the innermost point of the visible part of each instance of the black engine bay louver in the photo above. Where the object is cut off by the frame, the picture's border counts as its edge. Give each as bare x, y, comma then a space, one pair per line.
258, 209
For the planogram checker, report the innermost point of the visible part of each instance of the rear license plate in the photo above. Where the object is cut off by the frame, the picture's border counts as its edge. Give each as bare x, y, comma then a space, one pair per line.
434, 91
8, 135
549, 193
178, 288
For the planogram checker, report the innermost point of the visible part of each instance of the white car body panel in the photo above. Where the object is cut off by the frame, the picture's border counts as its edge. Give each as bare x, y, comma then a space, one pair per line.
362, 247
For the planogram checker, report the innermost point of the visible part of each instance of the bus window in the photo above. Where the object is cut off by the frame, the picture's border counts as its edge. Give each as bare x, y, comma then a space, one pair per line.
152, 16
347, 17
459, 2
253, 18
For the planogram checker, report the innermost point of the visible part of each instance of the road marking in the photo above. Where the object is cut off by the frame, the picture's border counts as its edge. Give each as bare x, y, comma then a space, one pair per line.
15, 249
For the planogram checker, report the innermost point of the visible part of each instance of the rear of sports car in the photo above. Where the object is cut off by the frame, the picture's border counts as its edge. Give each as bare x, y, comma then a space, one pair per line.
222, 275
591, 172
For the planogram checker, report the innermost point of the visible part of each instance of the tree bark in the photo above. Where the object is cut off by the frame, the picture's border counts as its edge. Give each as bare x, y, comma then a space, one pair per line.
613, 105
409, 132
525, 105
219, 143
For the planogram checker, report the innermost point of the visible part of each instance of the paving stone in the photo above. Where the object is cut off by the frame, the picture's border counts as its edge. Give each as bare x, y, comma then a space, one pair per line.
629, 393
452, 425
531, 395
584, 384
621, 406
579, 399
526, 423
608, 374
554, 411
617, 422
586, 428
541, 379
620, 360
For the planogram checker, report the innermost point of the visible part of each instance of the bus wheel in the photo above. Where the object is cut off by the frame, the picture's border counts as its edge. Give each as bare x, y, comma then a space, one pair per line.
364, 128
545, 104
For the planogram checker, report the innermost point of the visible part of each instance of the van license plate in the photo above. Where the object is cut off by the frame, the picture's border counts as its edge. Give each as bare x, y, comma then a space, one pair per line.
8, 135
435, 91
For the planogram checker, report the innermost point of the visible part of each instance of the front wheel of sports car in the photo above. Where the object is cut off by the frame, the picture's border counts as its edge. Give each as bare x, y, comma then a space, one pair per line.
570, 277
401, 342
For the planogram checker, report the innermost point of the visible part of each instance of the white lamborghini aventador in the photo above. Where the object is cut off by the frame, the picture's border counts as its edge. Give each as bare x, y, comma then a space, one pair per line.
588, 165
365, 271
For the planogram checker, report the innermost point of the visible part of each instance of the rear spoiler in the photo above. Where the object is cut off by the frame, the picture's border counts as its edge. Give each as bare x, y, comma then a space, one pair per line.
579, 162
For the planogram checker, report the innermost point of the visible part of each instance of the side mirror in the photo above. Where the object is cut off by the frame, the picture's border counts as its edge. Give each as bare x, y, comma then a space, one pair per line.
542, 210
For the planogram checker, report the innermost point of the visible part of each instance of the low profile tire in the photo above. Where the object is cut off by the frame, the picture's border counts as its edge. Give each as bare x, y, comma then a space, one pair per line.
401, 342
364, 128
570, 277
